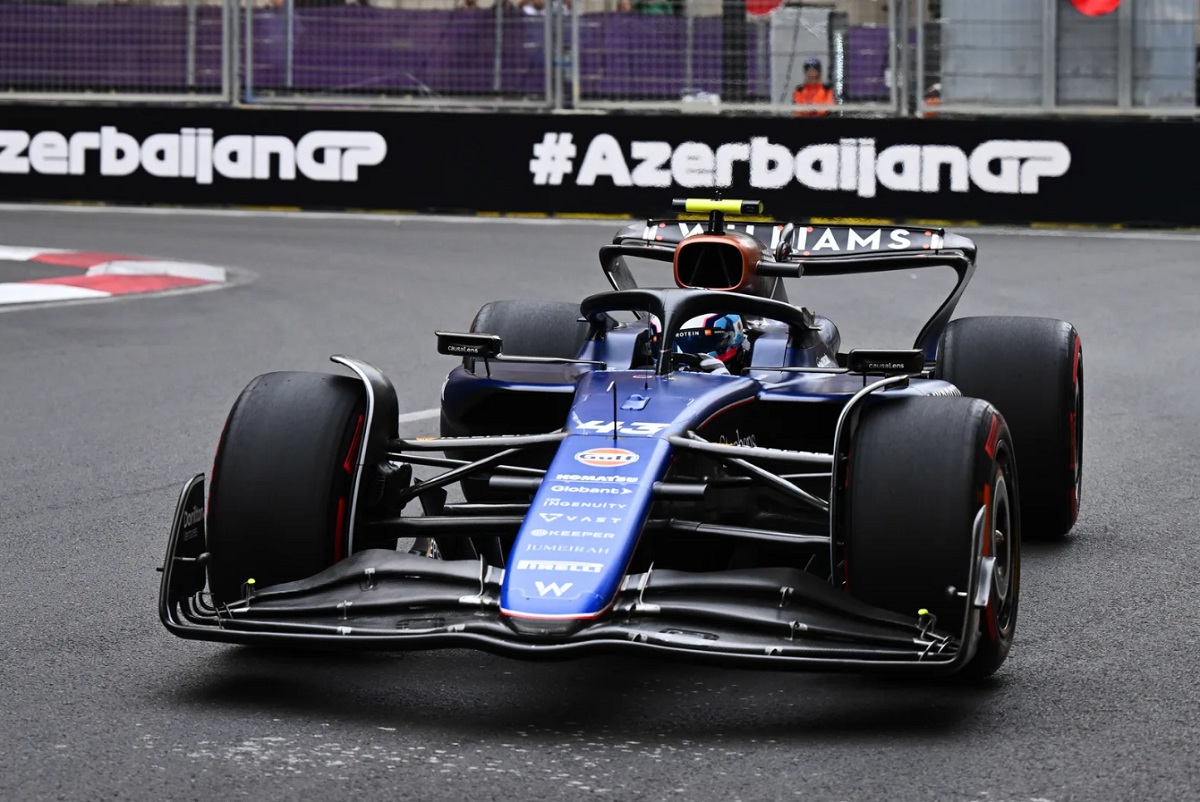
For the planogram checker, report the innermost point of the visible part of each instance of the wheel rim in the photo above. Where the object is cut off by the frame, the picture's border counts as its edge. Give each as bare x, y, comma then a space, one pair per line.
1002, 546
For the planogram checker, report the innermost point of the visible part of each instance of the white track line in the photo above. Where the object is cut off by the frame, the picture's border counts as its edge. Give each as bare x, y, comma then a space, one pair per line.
393, 218
421, 414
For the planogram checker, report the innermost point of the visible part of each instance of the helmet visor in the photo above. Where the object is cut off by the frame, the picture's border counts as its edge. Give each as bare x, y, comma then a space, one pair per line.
717, 336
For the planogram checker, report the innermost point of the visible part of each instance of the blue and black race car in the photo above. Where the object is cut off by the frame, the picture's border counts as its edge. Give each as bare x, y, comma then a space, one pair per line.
697, 470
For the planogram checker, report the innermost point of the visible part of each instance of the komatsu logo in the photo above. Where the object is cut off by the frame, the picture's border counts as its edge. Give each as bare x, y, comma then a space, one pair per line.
193, 153
1002, 166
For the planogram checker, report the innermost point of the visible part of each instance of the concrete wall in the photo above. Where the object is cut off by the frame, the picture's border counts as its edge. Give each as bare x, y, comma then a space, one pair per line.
992, 53
796, 34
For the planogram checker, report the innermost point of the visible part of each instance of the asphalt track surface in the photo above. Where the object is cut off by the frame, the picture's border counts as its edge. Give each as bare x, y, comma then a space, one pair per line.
108, 407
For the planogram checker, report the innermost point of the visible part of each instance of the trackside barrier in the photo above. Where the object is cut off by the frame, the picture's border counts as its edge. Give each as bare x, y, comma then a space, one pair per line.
1015, 170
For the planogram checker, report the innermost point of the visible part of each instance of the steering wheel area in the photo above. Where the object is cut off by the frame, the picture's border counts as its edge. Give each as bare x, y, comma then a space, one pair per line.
693, 362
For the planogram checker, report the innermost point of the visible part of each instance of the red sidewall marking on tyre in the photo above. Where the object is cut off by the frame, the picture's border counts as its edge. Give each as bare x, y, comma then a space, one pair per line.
1073, 423
348, 463
989, 612
339, 540
993, 437
1078, 349
340, 535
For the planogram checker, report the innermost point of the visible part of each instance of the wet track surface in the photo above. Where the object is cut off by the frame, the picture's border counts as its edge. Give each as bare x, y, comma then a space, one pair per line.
108, 407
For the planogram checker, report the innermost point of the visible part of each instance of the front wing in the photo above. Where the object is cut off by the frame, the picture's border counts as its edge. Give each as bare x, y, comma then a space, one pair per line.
388, 600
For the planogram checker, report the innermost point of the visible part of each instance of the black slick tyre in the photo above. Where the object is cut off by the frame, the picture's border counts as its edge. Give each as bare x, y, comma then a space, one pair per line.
919, 471
534, 328
526, 328
1031, 369
279, 494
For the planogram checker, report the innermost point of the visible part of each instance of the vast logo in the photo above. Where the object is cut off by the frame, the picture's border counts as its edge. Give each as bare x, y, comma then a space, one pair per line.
193, 153
1005, 166
606, 457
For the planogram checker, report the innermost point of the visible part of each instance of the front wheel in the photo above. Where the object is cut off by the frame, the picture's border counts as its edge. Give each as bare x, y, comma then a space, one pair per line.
919, 472
279, 494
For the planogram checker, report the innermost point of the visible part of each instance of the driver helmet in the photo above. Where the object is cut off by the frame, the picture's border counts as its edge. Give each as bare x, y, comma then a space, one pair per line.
719, 336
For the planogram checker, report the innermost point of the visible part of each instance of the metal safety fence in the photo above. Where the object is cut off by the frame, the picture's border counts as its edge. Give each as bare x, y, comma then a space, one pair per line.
704, 55
182, 51
1022, 56
798, 57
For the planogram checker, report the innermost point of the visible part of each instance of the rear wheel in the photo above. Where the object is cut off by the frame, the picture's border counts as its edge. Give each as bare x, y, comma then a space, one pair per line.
279, 495
919, 472
526, 328
1031, 369
534, 328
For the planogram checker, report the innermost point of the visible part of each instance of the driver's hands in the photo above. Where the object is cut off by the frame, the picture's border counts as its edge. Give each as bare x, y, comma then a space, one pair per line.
710, 364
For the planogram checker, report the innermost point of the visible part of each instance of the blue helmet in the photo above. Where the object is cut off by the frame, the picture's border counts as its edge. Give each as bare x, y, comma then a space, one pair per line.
720, 336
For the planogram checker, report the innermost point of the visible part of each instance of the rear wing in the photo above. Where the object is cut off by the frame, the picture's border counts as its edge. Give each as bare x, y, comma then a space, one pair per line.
791, 250
823, 249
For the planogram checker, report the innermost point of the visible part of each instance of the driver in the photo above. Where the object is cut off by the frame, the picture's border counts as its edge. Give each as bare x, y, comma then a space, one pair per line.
719, 340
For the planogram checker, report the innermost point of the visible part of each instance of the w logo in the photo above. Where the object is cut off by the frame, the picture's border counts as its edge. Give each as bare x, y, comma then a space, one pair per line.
558, 590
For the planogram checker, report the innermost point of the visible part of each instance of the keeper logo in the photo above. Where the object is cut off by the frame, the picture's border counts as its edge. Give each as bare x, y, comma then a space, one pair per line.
193, 153
1002, 166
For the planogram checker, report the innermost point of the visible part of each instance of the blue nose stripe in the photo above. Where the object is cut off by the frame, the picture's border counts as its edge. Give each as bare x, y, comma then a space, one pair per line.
583, 526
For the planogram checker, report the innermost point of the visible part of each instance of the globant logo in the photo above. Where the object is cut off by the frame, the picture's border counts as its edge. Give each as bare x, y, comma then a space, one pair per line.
193, 153
1003, 166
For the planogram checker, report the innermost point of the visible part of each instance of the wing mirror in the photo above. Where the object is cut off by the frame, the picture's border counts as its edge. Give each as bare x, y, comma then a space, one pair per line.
478, 346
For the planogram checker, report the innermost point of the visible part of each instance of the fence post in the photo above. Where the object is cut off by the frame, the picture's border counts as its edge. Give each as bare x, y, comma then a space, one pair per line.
1125, 55
498, 59
689, 49
1050, 53
289, 43
920, 55
229, 50
576, 57
905, 52
734, 29
548, 53
248, 64
559, 51
191, 44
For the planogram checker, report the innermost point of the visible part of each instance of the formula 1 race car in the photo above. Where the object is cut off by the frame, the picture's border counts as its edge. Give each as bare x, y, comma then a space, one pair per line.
695, 470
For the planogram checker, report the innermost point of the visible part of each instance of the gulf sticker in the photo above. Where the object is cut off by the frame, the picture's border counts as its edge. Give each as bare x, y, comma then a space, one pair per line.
606, 457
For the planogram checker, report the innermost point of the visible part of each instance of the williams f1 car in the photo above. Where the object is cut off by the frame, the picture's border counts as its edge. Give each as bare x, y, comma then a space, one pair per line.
695, 470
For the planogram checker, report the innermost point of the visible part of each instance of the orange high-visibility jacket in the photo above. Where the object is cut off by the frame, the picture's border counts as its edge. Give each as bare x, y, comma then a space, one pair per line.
812, 93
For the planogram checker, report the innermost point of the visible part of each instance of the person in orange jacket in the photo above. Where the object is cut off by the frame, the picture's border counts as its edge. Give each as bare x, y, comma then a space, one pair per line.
812, 90
933, 97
